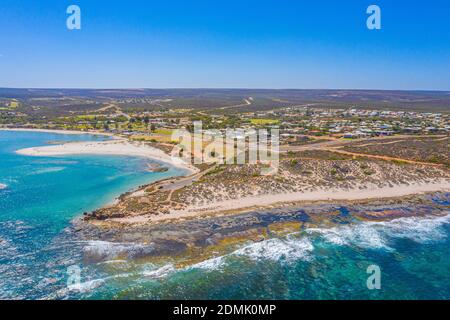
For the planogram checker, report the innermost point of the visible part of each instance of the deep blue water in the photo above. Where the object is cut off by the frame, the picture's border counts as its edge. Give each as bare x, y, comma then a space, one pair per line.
44, 194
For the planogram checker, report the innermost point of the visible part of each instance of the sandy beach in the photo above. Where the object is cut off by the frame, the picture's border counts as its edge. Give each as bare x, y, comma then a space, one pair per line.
114, 147
121, 146
277, 200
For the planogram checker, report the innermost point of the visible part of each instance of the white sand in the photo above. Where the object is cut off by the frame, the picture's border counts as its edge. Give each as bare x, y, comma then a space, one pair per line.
114, 147
247, 203
327, 195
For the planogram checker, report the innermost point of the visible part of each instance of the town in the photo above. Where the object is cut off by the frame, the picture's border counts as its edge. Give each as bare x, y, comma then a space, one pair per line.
150, 119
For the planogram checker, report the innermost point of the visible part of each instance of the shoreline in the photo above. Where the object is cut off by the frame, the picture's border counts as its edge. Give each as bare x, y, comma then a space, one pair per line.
192, 241
119, 147
275, 201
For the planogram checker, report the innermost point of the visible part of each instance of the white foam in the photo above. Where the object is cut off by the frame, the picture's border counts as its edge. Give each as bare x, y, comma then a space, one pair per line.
415, 228
160, 272
276, 249
376, 235
3, 186
113, 262
210, 264
368, 235
290, 249
362, 235
89, 285
109, 250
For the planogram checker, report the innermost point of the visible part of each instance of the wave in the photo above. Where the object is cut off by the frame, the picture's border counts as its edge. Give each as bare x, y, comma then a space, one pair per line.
362, 235
293, 248
376, 235
210, 264
104, 250
113, 262
420, 230
367, 235
83, 287
290, 249
160, 272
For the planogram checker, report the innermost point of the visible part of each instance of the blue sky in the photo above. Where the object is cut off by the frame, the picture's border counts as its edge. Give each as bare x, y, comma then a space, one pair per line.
225, 44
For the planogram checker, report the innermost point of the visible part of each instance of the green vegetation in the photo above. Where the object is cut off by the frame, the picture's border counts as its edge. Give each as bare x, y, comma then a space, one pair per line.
264, 121
164, 131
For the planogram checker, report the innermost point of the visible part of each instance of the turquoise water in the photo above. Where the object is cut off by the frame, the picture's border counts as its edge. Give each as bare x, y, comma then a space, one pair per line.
43, 195
413, 255
39, 196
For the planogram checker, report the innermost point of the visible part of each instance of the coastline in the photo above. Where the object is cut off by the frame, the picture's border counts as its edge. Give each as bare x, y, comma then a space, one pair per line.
118, 146
273, 201
121, 146
188, 242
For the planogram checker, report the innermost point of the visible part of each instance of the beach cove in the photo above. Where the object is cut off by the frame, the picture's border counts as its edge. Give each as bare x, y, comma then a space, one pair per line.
40, 196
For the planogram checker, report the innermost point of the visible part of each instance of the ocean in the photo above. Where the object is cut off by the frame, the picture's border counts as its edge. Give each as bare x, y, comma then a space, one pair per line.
39, 197
40, 256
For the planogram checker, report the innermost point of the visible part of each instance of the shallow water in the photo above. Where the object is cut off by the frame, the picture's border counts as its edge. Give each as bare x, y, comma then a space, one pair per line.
41, 195
318, 263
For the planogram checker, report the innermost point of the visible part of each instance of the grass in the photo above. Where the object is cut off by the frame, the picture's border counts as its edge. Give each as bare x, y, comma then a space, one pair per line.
400, 162
14, 104
152, 138
264, 121
167, 132
85, 117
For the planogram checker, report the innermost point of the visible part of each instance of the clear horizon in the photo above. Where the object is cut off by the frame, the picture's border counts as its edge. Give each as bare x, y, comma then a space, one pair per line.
224, 88
231, 45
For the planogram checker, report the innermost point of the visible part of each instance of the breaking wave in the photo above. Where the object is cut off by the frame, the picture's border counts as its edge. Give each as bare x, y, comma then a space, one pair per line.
104, 250
210, 264
367, 235
376, 235
290, 249
362, 235
293, 248
417, 229
160, 272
